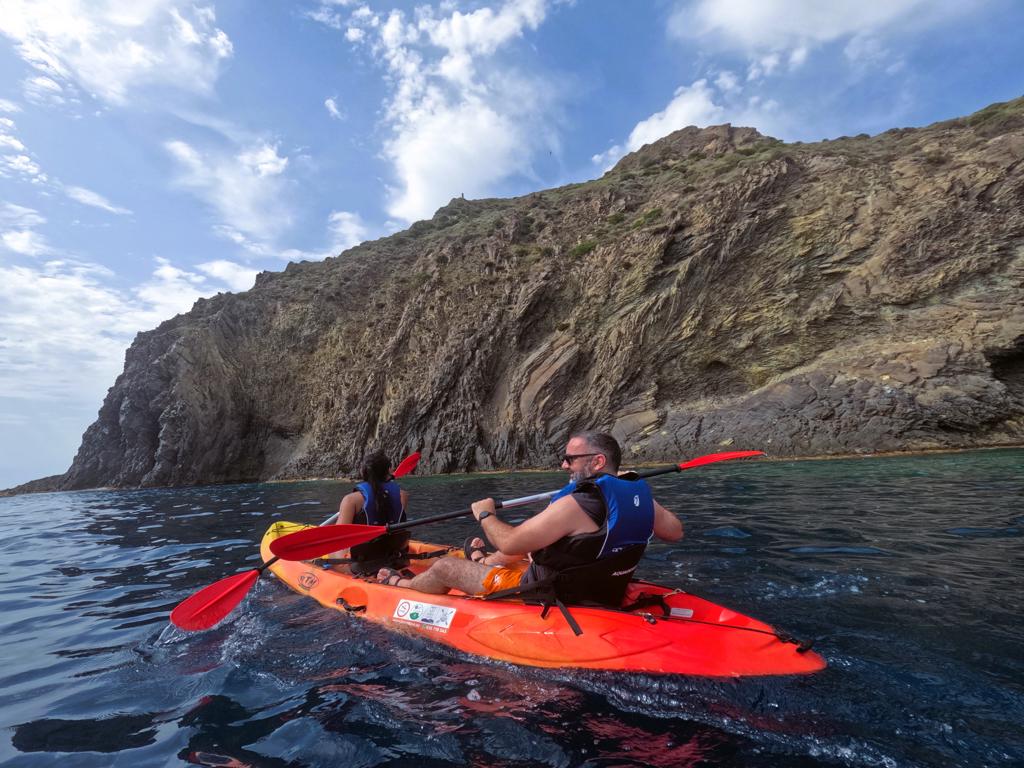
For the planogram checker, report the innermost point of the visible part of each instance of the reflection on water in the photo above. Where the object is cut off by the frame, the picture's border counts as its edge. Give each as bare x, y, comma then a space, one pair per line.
906, 570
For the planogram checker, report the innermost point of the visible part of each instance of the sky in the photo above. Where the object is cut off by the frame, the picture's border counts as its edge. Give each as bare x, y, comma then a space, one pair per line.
156, 151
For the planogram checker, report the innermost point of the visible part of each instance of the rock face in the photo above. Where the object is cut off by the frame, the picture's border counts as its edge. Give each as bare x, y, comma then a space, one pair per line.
716, 288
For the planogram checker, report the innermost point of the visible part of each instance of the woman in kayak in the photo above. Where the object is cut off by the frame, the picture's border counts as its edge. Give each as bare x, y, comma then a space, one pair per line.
583, 547
377, 500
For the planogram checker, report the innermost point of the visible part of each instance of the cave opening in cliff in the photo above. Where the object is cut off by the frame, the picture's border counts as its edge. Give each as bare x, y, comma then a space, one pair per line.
1008, 368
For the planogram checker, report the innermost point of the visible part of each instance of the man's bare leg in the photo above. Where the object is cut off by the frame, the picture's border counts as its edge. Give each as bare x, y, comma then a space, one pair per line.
446, 574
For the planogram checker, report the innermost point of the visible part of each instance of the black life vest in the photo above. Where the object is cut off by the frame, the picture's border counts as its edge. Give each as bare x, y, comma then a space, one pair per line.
597, 567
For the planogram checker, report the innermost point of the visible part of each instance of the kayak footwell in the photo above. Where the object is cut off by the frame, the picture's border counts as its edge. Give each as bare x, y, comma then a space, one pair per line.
699, 638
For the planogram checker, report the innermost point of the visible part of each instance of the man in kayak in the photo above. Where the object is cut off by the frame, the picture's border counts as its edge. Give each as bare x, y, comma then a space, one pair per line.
377, 500
583, 547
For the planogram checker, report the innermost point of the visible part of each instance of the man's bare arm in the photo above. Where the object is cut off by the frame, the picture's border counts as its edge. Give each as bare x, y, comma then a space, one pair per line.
563, 518
667, 526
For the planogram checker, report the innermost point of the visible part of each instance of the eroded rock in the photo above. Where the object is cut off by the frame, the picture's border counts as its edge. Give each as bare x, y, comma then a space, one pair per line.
717, 288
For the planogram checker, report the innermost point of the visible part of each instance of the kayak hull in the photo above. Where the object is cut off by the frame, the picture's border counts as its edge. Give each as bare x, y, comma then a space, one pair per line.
699, 638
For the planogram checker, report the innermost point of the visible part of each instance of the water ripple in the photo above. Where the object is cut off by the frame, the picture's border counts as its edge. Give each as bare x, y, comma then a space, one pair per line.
902, 570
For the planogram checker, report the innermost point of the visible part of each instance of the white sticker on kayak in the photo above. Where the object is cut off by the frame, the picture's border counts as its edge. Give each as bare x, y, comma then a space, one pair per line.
682, 613
426, 615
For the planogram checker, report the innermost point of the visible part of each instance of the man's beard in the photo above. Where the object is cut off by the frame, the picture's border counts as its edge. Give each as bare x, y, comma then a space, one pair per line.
579, 476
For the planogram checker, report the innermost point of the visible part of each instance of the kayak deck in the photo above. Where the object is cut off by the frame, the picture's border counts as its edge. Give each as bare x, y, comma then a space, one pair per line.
698, 638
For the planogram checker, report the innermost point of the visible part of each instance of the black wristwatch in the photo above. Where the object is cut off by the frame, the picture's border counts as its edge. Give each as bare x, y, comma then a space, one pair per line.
485, 514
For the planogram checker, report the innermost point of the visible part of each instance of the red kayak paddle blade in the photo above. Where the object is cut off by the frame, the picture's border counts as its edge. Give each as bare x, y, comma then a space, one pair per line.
711, 458
211, 604
408, 465
317, 542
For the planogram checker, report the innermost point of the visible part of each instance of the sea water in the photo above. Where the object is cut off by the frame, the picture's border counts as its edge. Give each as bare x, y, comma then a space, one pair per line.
907, 572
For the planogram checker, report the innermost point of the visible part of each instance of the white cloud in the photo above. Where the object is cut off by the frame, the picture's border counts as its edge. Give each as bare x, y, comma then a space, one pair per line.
244, 188
15, 161
17, 231
19, 216
755, 25
170, 291
865, 52
94, 199
451, 104
43, 90
354, 34
332, 109
346, 230
727, 82
798, 56
693, 105
763, 66
263, 160
110, 49
327, 15
225, 126
236, 276
26, 242
437, 156
698, 105
63, 329
56, 333
23, 166
772, 31
10, 142
186, 31
9, 106
483, 31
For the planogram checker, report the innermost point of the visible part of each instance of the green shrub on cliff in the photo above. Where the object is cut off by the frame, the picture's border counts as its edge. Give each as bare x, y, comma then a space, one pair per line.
583, 248
649, 216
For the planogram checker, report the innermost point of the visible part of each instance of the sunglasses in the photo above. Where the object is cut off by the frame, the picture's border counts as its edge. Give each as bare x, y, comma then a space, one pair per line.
569, 458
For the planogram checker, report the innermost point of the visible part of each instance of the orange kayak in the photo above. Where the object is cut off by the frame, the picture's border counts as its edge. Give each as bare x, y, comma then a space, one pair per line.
682, 634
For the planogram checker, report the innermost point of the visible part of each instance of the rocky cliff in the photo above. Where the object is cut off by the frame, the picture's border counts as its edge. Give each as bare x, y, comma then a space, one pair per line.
715, 289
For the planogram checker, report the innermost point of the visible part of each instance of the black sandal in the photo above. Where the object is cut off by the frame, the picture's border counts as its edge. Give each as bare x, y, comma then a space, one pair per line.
469, 550
392, 578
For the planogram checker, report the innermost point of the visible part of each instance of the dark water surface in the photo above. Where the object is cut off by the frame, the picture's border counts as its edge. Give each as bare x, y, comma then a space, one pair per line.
907, 571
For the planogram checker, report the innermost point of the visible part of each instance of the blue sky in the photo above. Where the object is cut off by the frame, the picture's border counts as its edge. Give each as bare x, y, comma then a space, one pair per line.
156, 151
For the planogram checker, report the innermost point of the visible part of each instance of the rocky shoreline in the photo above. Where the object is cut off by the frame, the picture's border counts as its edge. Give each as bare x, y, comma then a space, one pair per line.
52, 484
716, 290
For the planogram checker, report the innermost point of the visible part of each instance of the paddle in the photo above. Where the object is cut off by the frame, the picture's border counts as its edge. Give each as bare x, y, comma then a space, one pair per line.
211, 604
316, 542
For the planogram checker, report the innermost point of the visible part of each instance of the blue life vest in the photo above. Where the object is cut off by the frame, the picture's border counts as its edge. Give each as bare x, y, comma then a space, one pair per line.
566, 490
382, 511
630, 511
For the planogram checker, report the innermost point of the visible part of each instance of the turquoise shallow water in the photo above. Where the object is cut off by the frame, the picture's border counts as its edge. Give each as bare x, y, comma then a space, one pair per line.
907, 571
